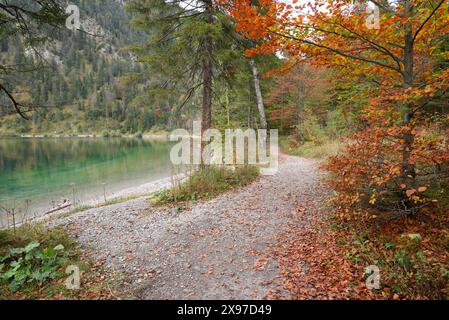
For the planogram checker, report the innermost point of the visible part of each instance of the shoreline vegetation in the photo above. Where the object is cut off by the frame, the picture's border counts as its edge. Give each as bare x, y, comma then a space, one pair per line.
149, 136
168, 191
206, 184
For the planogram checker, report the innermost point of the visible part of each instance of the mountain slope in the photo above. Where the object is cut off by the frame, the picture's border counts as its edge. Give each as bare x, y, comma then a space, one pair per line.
86, 79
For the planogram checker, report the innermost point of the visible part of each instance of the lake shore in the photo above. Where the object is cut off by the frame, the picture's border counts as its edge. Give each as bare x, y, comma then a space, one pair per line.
80, 173
142, 191
86, 136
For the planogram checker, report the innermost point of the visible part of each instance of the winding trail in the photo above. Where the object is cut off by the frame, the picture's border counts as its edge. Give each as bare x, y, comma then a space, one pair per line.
217, 249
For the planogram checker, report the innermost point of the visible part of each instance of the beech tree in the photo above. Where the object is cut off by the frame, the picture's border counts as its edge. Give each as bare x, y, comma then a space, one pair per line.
297, 93
400, 57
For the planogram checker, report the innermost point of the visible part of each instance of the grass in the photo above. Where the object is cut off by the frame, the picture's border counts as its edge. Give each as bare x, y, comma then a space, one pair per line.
207, 183
27, 233
94, 284
316, 150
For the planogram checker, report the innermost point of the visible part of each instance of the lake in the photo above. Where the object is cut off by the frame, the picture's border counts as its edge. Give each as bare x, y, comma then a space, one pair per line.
37, 174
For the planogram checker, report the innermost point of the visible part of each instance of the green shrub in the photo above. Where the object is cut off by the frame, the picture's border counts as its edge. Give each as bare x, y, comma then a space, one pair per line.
207, 183
31, 264
33, 261
110, 134
34, 255
336, 124
311, 131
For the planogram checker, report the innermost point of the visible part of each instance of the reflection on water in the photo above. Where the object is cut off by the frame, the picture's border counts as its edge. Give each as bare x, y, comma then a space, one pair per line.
43, 172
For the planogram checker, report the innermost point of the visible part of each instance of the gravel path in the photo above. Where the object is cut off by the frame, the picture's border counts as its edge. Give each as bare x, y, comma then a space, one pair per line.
212, 250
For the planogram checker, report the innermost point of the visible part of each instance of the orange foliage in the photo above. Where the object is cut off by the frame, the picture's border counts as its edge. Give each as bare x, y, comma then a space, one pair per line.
399, 148
334, 34
296, 89
367, 173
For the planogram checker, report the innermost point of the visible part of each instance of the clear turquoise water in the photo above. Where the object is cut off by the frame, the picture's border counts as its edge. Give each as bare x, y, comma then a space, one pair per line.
42, 172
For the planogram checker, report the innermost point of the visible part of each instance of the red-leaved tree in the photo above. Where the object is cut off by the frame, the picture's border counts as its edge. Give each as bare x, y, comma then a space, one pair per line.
400, 155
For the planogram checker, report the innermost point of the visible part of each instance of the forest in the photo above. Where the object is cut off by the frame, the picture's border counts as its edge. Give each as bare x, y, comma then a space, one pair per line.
357, 90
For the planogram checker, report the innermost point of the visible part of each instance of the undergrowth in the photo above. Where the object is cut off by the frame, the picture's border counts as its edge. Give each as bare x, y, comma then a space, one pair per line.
411, 253
33, 262
322, 149
207, 183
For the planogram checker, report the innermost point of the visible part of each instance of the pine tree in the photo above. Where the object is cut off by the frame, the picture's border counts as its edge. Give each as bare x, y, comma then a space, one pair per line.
187, 45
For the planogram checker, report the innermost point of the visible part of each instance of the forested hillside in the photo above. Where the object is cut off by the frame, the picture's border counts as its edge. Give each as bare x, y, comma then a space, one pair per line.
93, 82
80, 79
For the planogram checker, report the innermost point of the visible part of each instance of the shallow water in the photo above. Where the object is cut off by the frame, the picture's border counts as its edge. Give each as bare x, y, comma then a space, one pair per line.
37, 174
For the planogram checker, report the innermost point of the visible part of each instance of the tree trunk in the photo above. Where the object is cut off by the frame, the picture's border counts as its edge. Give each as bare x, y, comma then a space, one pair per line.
207, 73
301, 103
207, 67
408, 173
207, 94
228, 112
34, 122
260, 103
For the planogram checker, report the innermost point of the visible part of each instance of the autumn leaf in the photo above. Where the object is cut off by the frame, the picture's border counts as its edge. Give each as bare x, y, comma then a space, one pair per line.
410, 192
